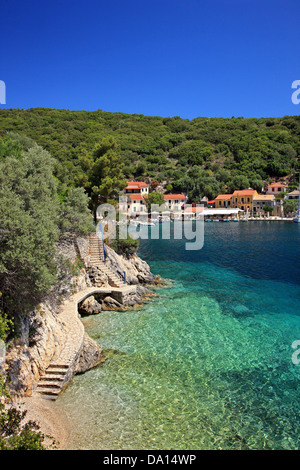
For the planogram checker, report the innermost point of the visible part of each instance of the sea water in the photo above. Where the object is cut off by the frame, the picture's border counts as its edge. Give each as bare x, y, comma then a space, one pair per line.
208, 363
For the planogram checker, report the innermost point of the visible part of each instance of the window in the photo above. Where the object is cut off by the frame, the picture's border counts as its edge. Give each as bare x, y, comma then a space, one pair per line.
248, 199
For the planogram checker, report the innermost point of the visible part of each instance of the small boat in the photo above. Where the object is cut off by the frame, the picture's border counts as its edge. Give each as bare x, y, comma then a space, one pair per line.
207, 220
235, 220
216, 220
226, 220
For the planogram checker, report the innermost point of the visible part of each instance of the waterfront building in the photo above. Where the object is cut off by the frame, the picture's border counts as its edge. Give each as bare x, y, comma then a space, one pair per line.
223, 200
243, 199
262, 200
136, 193
175, 202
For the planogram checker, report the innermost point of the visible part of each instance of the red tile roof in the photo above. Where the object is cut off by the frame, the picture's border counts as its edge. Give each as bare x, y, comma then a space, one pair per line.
277, 185
139, 184
194, 209
137, 197
223, 196
245, 192
174, 196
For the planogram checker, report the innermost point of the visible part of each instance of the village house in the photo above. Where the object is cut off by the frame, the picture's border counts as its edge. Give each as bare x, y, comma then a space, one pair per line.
243, 199
175, 202
264, 200
292, 195
137, 187
276, 188
223, 200
136, 194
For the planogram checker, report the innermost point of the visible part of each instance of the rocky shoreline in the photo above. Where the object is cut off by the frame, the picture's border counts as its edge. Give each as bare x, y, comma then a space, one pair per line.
44, 333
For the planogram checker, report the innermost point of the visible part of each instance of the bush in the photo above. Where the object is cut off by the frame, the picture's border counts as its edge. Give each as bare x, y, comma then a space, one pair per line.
125, 247
15, 432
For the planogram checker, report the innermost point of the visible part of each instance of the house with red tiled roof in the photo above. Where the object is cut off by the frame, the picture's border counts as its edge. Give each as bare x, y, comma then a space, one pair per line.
240, 199
136, 193
174, 202
136, 187
276, 188
243, 199
223, 200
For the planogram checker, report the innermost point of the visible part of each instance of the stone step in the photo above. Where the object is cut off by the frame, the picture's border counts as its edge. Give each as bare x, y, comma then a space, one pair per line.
56, 370
45, 384
50, 392
53, 377
58, 366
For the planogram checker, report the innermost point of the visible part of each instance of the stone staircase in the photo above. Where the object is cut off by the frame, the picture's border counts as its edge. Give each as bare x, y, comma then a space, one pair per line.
97, 260
51, 383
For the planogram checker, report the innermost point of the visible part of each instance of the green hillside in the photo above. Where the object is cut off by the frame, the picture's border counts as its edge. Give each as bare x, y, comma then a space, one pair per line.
202, 155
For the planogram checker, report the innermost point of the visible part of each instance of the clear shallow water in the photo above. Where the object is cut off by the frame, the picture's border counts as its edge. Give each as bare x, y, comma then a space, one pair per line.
207, 365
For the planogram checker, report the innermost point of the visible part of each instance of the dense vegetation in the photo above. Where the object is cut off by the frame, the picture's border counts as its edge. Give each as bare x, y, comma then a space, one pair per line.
202, 155
33, 214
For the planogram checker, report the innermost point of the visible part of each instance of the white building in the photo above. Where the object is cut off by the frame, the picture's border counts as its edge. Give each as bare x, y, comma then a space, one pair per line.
136, 194
276, 188
292, 195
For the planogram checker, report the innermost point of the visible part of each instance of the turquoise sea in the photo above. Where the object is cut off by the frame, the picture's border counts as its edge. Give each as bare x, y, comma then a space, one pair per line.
208, 363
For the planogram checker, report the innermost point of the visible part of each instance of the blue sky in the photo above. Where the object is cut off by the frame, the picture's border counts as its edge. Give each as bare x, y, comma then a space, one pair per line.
183, 58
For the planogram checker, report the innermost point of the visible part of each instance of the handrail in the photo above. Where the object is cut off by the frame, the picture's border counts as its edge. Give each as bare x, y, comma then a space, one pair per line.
106, 255
103, 244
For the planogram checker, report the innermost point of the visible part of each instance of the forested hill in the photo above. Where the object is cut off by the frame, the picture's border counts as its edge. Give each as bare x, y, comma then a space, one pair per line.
202, 155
